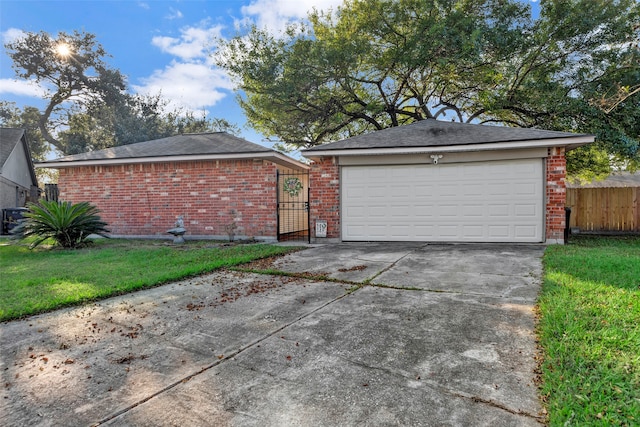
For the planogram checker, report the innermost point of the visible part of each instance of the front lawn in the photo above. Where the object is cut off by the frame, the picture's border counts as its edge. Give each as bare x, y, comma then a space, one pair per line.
589, 331
34, 281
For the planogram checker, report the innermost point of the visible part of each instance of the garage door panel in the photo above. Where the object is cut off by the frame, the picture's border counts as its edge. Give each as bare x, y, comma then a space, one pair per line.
448, 231
525, 211
472, 190
400, 231
498, 189
473, 211
525, 231
400, 211
376, 191
499, 201
423, 190
400, 191
498, 231
356, 212
378, 212
449, 190
447, 212
524, 189
472, 231
498, 210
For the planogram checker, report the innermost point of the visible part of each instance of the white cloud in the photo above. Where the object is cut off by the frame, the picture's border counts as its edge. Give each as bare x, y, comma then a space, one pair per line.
192, 43
275, 14
193, 85
11, 35
174, 14
22, 88
191, 80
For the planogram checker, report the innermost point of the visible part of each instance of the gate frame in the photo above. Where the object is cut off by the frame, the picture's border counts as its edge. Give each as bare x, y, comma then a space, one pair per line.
305, 207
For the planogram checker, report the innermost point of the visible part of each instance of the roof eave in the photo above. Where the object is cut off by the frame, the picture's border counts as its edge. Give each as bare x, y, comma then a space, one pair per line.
274, 157
569, 143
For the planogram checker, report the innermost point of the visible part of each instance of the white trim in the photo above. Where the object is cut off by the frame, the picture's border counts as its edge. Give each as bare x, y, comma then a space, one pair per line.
462, 157
570, 142
274, 157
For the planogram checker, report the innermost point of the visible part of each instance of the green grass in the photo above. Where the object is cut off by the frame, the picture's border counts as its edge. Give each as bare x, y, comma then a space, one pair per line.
589, 331
34, 281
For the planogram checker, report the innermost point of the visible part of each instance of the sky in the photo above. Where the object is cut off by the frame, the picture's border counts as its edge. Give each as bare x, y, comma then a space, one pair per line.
160, 45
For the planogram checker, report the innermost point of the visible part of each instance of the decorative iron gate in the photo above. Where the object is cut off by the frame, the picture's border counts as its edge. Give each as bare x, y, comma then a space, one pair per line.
293, 206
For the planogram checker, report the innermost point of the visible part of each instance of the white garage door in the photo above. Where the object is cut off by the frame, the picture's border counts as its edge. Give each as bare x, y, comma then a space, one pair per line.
495, 201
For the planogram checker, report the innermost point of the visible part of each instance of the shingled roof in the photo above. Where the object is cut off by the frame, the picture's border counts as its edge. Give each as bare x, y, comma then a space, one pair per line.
9, 138
195, 146
618, 179
439, 134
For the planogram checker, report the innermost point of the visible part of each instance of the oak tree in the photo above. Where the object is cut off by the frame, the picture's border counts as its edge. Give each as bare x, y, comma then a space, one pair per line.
373, 64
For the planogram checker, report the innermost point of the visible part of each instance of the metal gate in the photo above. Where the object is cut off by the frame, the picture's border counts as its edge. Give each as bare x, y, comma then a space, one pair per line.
293, 206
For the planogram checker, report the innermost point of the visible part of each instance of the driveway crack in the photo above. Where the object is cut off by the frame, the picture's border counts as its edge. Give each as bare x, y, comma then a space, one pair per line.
387, 268
497, 405
217, 362
437, 386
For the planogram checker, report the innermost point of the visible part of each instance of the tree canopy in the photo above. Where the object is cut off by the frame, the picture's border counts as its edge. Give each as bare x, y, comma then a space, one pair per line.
88, 106
373, 64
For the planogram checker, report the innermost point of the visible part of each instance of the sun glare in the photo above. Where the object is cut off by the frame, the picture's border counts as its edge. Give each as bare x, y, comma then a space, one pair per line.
63, 50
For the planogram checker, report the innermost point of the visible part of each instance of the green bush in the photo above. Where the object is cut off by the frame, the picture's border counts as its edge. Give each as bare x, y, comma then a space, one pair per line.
67, 224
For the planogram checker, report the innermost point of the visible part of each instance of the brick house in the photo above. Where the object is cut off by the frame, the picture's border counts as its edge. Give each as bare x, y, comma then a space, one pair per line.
442, 182
215, 181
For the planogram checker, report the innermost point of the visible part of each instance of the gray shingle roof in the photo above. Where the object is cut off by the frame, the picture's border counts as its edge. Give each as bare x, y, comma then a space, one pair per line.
9, 137
619, 179
179, 145
435, 133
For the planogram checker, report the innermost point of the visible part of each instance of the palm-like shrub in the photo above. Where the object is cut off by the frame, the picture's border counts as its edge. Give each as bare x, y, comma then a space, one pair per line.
68, 224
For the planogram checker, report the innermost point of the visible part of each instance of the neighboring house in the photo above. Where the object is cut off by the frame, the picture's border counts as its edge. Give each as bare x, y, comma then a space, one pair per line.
621, 179
611, 205
442, 182
217, 182
18, 182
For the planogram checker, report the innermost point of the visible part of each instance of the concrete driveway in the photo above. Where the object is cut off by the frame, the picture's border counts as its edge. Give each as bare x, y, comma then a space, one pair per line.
404, 334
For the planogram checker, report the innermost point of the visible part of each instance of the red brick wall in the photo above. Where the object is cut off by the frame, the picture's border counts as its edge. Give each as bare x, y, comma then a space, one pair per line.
145, 199
324, 196
556, 167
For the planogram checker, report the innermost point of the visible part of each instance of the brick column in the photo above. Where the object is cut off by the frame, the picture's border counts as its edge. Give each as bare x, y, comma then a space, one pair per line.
556, 169
324, 196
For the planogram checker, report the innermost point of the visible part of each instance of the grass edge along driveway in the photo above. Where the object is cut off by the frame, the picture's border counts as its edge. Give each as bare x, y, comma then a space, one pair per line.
589, 332
589, 327
45, 279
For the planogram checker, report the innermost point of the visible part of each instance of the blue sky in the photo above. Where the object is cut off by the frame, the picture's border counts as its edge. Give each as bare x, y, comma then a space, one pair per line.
158, 44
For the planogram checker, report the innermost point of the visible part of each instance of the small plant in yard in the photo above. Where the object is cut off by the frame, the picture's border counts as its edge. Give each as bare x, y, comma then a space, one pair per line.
67, 224
231, 230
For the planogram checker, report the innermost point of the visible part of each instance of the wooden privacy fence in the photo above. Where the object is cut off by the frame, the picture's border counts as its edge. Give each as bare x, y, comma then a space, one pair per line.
611, 209
51, 192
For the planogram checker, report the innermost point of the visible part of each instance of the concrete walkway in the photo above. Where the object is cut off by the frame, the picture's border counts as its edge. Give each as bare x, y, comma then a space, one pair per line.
437, 335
